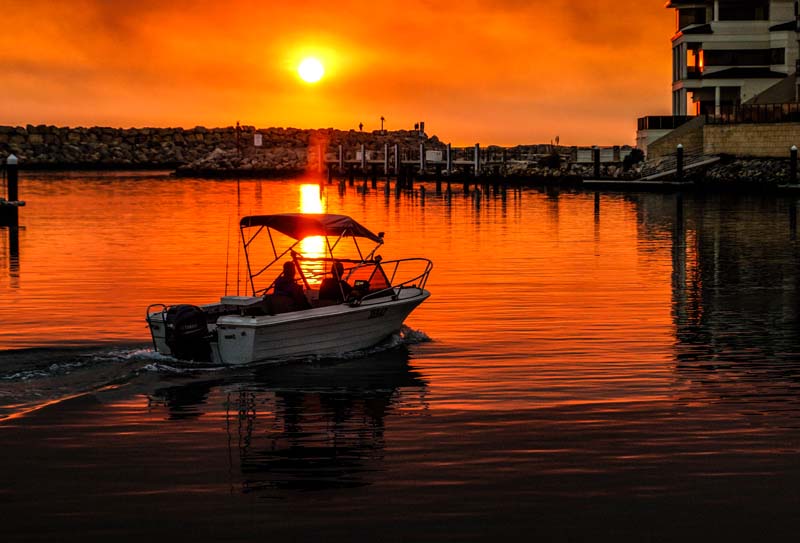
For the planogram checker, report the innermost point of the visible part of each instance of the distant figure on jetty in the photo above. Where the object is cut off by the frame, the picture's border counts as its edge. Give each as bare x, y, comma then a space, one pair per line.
360, 127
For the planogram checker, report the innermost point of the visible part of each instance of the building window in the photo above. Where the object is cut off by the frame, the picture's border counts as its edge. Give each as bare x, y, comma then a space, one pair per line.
695, 60
744, 57
691, 16
744, 10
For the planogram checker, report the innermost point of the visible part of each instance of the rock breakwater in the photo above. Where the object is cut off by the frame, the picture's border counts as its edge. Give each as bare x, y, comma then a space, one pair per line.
196, 150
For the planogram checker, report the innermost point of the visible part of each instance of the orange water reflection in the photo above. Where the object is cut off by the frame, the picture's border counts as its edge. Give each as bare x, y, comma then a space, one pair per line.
311, 201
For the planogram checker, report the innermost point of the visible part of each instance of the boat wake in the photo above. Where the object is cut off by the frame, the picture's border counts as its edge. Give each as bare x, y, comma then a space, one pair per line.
41, 376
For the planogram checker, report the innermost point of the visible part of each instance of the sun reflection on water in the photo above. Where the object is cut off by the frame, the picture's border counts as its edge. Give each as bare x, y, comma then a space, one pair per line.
311, 201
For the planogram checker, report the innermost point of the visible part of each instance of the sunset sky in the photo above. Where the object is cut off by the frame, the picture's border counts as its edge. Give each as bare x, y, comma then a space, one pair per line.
496, 72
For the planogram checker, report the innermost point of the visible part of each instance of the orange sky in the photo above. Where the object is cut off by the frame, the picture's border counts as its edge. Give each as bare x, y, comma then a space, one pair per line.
497, 72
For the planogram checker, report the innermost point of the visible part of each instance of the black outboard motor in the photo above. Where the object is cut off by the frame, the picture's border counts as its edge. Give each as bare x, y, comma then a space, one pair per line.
187, 333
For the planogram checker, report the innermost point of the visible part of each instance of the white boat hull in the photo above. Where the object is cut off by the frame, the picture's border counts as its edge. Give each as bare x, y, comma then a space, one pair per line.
320, 332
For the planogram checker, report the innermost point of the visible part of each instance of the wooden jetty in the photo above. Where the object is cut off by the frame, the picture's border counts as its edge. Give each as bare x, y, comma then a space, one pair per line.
475, 161
392, 161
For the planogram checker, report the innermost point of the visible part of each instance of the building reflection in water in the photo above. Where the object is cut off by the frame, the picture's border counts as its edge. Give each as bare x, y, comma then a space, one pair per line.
307, 426
736, 288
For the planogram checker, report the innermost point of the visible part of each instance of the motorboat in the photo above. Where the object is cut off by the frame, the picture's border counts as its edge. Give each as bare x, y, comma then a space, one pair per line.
342, 298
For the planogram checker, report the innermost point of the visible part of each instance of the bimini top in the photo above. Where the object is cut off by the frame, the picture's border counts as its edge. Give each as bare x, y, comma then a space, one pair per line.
302, 225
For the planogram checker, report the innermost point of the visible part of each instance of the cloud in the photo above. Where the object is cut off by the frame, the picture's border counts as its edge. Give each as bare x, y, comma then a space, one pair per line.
481, 68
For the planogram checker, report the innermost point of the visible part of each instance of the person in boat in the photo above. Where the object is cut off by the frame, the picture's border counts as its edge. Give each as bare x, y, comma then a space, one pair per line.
286, 291
335, 289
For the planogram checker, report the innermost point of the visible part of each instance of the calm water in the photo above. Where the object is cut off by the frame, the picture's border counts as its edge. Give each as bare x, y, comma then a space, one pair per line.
627, 367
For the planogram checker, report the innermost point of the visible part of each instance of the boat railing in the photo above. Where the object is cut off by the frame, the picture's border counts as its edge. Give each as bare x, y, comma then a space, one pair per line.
397, 270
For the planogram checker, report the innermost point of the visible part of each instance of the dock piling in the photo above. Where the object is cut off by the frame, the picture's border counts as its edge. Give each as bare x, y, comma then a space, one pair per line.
679, 165
12, 178
793, 165
596, 160
9, 210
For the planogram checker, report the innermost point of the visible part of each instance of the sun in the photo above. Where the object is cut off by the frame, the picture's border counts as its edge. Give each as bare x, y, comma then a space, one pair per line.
310, 70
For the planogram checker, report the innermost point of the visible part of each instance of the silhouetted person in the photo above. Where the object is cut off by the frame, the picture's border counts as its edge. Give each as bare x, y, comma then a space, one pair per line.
360, 127
334, 288
286, 294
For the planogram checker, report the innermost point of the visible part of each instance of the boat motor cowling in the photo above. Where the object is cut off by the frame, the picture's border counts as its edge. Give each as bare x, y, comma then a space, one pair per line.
187, 333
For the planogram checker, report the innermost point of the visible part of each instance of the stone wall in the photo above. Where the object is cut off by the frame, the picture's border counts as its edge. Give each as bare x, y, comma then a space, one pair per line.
103, 147
690, 135
754, 140
283, 149
225, 152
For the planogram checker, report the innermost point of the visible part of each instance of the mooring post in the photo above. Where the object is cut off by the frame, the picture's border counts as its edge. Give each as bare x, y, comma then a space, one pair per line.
341, 159
319, 158
9, 214
449, 161
351, 174
386, 159
363, 158
397, 159
793, 165
679, 162
421, 157
596, 160
12, 177
374, 176
477, 159
438, 179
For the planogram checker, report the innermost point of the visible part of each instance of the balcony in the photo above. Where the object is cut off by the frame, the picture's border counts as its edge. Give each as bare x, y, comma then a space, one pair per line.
663, 122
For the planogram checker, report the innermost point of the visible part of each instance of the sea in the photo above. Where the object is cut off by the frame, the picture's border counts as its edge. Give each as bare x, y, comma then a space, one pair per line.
589, 366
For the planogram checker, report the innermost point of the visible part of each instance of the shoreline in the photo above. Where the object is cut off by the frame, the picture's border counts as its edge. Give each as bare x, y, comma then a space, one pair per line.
569, 182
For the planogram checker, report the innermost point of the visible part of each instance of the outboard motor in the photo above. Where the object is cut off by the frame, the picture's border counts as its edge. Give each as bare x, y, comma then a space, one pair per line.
187, 333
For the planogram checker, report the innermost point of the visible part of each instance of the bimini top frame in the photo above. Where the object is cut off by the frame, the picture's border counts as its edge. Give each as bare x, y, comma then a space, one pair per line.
300, 226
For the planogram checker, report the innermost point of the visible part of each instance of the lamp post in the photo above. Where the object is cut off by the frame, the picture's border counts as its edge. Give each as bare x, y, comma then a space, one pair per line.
382, 119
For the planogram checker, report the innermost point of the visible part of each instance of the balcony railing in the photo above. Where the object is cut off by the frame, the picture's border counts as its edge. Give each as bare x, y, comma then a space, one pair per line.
663, 122
757, 113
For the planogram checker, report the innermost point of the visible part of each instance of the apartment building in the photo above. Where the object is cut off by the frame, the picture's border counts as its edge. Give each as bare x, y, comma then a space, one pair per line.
731, 52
